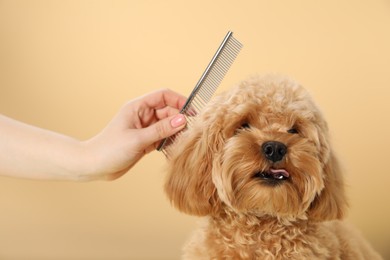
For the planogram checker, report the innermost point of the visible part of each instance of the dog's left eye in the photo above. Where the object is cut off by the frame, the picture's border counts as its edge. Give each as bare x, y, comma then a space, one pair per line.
293, 131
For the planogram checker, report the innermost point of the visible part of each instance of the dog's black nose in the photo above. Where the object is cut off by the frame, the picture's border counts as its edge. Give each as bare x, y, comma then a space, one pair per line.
274, 151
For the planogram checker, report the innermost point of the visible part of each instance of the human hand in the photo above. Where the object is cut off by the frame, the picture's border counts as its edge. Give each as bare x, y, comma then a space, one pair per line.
135, 131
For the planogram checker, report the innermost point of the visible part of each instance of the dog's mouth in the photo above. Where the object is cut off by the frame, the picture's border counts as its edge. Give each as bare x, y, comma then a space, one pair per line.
273, 174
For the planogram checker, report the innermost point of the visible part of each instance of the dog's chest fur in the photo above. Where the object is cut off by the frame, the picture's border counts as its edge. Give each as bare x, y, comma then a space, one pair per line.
249, 237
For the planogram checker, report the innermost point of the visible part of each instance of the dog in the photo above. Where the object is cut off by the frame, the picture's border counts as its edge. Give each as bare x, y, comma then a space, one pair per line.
258, 164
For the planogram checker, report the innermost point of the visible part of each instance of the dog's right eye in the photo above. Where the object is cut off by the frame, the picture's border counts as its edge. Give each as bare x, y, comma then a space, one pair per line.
245, 125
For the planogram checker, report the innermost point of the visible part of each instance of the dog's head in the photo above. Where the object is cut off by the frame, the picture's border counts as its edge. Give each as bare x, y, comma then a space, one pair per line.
261, 148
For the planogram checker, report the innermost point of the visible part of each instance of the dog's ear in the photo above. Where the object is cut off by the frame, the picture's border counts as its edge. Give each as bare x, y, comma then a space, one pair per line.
331, 203
189, 183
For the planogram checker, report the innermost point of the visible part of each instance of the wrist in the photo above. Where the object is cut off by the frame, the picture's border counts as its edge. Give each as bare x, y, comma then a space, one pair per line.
88, 160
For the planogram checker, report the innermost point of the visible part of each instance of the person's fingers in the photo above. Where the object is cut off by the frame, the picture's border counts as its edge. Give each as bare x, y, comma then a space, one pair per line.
149, 117
166, 112
163, 98
161, 129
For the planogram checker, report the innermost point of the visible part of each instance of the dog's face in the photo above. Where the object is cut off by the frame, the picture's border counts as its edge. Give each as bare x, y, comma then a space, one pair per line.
261, 148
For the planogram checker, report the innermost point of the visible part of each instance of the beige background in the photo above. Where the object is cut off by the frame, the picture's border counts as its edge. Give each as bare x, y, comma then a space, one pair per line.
69, 65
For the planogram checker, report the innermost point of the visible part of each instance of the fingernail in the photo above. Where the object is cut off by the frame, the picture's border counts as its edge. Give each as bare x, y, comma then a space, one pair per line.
178, 121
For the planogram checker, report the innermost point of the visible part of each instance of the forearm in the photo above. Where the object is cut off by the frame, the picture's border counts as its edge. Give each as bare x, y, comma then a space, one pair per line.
30, 152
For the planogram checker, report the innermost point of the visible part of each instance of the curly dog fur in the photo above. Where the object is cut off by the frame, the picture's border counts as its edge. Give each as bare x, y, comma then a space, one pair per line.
258, 164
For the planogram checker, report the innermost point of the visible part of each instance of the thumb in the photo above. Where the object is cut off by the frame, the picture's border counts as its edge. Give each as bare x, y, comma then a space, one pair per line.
163, 129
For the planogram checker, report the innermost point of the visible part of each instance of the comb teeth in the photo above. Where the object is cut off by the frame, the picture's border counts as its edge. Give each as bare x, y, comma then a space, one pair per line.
207, 84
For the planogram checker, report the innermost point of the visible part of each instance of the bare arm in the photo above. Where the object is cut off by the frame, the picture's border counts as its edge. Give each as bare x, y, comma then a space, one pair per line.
31, 152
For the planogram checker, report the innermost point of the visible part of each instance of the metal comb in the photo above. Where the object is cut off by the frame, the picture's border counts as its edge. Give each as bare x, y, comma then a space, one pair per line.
207, 84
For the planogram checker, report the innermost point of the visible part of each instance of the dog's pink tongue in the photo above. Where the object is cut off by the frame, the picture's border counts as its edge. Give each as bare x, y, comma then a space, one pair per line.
282, 172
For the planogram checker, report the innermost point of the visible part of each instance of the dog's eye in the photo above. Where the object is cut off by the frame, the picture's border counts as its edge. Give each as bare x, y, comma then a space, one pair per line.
293, 131
242, 127
245, 125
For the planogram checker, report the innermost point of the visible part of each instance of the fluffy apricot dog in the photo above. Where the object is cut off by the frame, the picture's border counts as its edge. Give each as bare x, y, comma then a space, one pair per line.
258, 163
